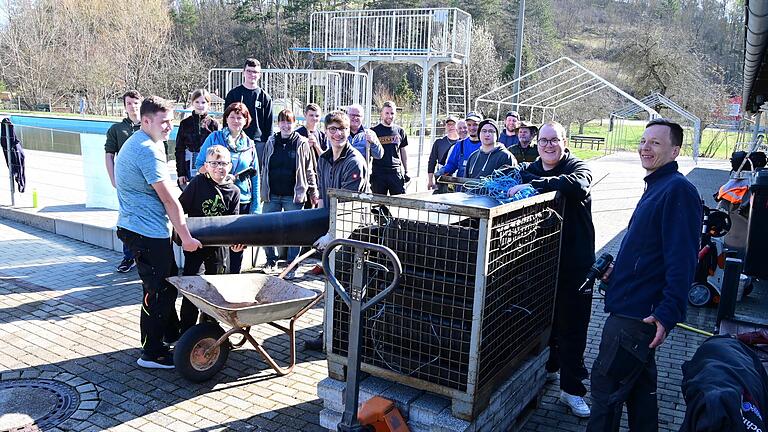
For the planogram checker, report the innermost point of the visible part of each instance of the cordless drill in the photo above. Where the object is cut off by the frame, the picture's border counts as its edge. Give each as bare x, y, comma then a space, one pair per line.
597, 270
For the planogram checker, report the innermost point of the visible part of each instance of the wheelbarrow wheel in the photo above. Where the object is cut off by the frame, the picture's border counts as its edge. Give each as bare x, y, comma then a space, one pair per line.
196, 357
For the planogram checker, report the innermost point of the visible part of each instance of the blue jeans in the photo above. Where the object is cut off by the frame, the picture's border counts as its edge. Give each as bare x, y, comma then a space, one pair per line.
278, 203
127, 254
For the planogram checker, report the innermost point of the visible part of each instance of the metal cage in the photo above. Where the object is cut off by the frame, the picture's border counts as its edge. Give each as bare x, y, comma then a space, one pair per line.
476, 295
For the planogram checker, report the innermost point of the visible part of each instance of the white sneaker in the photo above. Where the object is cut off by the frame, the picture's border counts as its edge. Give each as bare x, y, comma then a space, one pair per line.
578, 407
553, 376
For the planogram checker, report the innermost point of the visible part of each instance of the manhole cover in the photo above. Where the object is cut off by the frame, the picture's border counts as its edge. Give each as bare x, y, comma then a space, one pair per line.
28, 405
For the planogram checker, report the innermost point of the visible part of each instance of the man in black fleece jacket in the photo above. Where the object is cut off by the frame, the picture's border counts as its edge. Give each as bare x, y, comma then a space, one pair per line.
557, 169
649, 285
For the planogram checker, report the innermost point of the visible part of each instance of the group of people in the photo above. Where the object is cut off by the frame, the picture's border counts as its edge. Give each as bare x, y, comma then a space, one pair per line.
474, 147
239, 167
242, 167
648, 281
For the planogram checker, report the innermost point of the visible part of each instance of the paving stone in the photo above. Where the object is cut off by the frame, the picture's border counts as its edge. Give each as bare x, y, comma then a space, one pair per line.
78, 322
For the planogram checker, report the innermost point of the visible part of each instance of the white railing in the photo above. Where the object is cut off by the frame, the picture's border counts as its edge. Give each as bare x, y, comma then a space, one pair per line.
294, 88
439, 32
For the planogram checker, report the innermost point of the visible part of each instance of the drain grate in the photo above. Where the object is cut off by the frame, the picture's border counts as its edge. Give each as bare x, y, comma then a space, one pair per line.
31, 405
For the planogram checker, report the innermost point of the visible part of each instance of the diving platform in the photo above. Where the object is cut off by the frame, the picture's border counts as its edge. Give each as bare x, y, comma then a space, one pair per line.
439, 35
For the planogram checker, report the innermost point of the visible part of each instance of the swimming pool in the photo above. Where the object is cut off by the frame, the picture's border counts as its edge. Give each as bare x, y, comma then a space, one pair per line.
69, 124
62, 134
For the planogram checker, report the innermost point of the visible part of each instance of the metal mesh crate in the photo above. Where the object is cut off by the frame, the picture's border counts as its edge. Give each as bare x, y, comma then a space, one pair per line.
476, 296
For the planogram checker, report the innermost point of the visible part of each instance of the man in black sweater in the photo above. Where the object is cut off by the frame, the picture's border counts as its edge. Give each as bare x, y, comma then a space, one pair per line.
259, 105
390, 173
557, 169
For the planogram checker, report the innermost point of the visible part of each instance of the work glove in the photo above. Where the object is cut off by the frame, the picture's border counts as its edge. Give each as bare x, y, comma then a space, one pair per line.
321, 243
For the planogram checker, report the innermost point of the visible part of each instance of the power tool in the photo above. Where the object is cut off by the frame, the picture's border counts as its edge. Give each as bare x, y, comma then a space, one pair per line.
597, 270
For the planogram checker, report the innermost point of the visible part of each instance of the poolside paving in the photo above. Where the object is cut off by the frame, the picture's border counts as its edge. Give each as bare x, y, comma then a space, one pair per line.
66, 315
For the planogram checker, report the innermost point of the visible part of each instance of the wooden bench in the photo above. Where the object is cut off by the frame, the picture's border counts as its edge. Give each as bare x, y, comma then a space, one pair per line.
580, 140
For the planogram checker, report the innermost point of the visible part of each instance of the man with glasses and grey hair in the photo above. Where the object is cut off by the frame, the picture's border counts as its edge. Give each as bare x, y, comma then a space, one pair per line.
258, 102
557, 169
362, 139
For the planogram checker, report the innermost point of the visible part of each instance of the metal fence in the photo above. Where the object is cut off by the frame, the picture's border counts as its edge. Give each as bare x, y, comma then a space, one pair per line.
65, 105
294, 88
438, 32
476, 296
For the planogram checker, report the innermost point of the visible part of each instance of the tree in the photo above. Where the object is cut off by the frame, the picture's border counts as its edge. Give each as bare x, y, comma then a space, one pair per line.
404, 94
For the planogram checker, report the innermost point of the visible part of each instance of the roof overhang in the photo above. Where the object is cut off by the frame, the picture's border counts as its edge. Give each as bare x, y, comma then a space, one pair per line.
755, 91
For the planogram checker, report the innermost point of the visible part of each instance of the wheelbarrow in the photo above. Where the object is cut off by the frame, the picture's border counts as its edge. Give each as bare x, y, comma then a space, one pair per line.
240, 301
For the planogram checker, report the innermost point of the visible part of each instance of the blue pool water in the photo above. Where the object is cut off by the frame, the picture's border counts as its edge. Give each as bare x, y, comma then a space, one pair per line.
69, 124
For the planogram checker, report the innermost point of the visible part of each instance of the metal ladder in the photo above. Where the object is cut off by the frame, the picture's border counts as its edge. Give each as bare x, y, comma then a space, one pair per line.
456, 90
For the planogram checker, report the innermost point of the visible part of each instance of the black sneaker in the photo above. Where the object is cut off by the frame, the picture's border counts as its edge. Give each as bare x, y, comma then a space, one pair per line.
126, 265
160, 362
315, 344
271, 265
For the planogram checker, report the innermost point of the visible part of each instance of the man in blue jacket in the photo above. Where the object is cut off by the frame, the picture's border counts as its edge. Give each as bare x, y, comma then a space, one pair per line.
648, 289
460, 152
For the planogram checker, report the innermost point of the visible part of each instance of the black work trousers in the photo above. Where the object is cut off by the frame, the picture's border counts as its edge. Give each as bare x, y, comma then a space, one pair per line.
624, 371
213, 260
569, 332
389, 182
154, 263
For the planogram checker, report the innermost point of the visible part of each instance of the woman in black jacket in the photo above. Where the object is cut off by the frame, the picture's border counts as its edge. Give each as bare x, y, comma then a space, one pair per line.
193, 131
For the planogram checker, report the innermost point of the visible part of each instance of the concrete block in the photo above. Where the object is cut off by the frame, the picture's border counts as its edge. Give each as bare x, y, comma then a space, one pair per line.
402, 396
98, 236
418, 427
446, 422
333, 405
30, 219
70, 229
426, 408
330, 419
331, 389
373, 386
117, 244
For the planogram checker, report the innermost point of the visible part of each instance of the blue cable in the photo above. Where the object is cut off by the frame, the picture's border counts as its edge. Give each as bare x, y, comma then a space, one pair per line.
498, 183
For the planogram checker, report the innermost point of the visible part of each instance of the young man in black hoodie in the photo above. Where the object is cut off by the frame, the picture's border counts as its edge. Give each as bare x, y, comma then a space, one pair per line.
210, 194
258, 102
557, 169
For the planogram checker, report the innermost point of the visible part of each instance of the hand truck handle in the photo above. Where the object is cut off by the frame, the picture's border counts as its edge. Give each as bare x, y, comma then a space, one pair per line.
359, 248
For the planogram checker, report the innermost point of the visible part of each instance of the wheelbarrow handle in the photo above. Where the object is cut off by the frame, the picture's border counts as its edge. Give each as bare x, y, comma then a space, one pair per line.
360, 247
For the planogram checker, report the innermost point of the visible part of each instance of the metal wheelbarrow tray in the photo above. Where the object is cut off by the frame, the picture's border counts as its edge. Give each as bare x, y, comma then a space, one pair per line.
240, 301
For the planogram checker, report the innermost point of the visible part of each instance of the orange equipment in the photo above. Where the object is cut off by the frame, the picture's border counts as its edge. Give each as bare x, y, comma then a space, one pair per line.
382, 415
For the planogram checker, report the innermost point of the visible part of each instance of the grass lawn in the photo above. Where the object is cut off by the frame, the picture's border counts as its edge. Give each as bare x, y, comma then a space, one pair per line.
715, 143
585, 154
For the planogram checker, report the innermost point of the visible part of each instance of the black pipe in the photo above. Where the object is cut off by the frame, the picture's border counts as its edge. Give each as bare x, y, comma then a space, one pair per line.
289, 228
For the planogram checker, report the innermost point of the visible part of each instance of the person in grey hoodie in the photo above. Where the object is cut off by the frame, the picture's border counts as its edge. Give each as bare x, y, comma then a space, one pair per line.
491, 155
